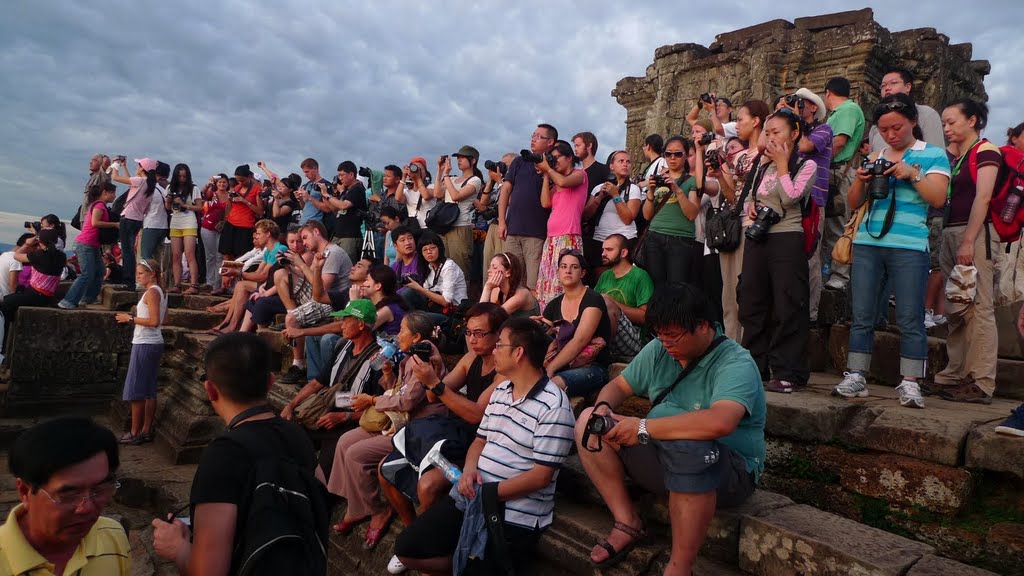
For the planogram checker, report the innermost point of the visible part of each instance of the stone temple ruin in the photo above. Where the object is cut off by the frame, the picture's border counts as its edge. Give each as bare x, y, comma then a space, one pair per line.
778, 57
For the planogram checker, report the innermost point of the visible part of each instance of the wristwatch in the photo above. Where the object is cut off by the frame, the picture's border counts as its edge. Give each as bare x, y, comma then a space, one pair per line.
641, 433
917, 178
438, 389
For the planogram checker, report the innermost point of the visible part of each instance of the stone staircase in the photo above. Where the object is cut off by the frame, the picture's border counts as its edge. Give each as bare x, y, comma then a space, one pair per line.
851, 487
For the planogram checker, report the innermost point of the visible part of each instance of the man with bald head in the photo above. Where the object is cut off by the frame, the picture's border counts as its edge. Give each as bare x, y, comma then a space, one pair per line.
97, 177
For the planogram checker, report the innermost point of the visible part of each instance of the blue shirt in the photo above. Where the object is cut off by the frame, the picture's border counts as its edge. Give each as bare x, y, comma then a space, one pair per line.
270, 256
309, 210
909, 229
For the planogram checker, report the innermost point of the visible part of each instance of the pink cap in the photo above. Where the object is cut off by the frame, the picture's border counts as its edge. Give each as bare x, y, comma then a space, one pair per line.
148, 164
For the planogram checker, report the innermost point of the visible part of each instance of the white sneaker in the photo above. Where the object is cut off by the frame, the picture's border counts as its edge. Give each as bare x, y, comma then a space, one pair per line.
929, 319
910, 394
65, 305
396, 566
938, 319
853, 386
835, 283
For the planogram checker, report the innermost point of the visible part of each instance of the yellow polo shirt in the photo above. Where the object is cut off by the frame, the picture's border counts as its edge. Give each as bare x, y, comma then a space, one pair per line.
103, 552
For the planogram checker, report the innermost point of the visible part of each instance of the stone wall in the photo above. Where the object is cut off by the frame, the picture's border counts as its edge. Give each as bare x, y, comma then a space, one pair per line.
778, 57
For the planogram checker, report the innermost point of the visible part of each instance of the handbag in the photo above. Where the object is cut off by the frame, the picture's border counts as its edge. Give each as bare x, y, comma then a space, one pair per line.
562, 332
442, 217
374, 421
723, 230
842, 251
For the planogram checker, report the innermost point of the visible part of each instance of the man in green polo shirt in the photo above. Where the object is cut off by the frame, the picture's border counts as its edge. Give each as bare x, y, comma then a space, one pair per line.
847, 122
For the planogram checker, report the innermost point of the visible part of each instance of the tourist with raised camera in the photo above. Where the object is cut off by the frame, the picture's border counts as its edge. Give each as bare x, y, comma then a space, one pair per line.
564, 192
245, 206
773, 310
967, 240
463, 191
613, 206
702, 443
654, 162
97, 176
719, 111
899, 184
505, 286
87, 247
348, 201
180, 201
353, 475
522, 220
847, 122
416, 192
487, 207
140, 188
671, 206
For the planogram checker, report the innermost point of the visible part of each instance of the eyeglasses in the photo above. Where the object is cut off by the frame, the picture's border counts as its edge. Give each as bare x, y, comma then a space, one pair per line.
70, 500
477, 334
679, 154
672, 341
539, 136
503, 345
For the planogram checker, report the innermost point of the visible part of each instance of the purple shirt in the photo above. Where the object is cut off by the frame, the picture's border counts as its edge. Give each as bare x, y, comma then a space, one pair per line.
526, 217
821, 137
413, 268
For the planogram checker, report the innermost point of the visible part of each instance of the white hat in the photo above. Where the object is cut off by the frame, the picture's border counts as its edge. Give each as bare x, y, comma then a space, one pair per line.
806, 94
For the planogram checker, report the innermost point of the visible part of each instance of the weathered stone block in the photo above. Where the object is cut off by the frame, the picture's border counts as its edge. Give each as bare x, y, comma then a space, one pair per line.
900, 480
800, 540
990, 451
937, 566
808, 417
1010, 379
723, 536
193, 319
930, 435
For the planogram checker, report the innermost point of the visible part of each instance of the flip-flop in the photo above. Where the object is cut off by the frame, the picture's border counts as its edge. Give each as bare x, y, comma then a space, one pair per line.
374, 535
128, 439
345, 527
616, 556
215, 332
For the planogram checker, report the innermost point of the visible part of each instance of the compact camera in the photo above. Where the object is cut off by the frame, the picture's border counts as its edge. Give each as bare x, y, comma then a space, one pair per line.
878, 188
765, 219
659, 180
706, 97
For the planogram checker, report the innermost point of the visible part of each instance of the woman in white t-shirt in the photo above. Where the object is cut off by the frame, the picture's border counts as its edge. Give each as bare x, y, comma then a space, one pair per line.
415, 191
618, 203
156, 221
180, 201
462, 190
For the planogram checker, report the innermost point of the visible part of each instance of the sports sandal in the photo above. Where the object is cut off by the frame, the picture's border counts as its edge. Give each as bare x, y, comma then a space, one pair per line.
616, 556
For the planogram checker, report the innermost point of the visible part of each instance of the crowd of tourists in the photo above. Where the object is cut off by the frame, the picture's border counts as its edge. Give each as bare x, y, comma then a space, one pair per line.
700, 264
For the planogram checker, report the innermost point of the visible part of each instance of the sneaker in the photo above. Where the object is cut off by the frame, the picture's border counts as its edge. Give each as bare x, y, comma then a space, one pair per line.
939, 319
835, 283
929, 321
294, 375
65, 305
780, 386
910, 394
395, 566
853, 386
965, 392
1014, 425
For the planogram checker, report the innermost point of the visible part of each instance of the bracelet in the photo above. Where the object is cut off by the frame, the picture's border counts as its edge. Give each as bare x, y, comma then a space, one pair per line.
617, 200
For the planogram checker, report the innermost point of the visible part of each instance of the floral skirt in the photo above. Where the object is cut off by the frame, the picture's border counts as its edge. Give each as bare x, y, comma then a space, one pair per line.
548, 285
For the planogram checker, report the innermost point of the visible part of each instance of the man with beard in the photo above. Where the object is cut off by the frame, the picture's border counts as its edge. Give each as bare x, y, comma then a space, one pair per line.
627, 289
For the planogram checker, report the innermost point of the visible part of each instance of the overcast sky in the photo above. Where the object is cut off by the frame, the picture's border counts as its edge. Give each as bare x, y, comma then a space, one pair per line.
217, 84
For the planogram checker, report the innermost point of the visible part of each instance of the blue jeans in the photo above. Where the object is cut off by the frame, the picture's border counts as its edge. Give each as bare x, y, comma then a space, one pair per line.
87, 285
319, 352
584, 380
152, 238
907, 271
128, 230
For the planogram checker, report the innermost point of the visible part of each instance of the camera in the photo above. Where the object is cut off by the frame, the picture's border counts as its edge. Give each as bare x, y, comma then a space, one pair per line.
659, 180
878, 188
766, 218
443, 159
600, 424
612, 179
414, 168
33, 225
531, 157
714, 160
406, 278
421, 350
706, 97
498, 167
365, 172
792, 100
283, 261
707, 138
234, 194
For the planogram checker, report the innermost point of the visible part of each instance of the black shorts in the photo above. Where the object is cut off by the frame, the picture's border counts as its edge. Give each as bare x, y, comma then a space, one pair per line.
435, 534
234, 241
265, 309
690, 466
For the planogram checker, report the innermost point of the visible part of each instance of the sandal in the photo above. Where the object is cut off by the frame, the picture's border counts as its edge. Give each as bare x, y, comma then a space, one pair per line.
127, 438
218, 331
345, 527
191, 290
616, 556
146, 437
374, 535
176, 289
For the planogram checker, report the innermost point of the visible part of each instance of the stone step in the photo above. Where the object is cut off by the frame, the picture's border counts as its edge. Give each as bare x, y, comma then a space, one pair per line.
192, 319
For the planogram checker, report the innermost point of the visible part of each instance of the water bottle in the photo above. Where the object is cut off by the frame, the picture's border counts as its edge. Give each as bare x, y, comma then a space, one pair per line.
1009, 211
388, 351
450, 471
826, 270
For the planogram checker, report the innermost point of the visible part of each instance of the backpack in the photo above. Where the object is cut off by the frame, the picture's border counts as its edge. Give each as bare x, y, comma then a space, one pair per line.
810, 214
1009, 182
284, 530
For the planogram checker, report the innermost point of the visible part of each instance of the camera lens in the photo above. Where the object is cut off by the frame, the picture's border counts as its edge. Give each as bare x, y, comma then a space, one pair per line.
414, 168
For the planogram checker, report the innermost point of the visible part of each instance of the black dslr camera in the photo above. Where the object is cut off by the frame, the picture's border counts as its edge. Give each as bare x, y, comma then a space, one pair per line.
598, 425
794, 101
707, 138
406, 278
714, 160
365, 172
529, 156
766, 218
878, 188
659, 180
422, 350
706, 97
499, 167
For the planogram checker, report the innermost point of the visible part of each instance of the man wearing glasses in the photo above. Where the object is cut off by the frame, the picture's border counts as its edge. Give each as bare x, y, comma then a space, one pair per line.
63, 487
702, 442
522, 221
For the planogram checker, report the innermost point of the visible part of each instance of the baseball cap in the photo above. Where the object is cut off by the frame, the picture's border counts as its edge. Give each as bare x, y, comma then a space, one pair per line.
419, 160
361, 309
813, 98
148, 164
468, 152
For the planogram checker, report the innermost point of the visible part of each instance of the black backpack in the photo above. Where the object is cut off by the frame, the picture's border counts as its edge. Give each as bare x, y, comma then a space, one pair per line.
284, 530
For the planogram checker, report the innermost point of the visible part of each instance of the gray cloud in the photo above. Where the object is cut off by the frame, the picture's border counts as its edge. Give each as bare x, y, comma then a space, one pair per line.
217, 84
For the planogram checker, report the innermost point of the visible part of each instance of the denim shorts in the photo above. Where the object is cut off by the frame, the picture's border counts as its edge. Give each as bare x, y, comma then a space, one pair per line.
585, 379
690, 467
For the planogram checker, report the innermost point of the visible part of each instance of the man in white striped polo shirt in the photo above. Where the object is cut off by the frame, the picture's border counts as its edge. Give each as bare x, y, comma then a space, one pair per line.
524, 437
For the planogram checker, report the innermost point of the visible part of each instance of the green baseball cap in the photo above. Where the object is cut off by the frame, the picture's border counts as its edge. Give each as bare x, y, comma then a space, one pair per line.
468, 152
361, 310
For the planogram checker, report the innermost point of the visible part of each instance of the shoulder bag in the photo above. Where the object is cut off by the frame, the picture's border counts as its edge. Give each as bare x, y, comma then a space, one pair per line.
723, 230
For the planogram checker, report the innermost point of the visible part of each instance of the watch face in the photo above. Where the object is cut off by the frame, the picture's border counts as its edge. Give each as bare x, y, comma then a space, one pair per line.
438, 390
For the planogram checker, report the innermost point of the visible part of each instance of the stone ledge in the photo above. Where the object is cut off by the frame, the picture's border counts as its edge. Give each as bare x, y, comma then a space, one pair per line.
990, 451
938, 566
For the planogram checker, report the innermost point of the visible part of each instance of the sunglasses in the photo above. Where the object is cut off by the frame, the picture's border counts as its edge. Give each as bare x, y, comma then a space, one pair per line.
786, 112
679, 154
884, 107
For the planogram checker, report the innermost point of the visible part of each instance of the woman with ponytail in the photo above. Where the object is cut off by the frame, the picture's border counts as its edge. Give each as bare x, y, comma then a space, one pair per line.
141, 188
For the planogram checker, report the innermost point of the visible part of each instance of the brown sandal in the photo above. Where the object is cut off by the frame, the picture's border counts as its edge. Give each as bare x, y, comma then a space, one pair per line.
192, 290
616, 556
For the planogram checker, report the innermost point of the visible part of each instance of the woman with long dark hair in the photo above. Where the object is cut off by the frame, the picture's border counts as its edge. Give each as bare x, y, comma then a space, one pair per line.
563, 190
381, 288
505, 286
181, 198
140, 189
87, 248
215, 202
672, 208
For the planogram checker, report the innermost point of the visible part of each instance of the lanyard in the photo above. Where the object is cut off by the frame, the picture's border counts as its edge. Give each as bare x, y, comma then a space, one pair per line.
949, 187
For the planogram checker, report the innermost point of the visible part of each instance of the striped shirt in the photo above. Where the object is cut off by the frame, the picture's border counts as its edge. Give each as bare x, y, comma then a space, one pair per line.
909, 229
521, 433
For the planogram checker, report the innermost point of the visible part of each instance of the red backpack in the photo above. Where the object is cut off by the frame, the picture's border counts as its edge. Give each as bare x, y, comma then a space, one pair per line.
1009, 183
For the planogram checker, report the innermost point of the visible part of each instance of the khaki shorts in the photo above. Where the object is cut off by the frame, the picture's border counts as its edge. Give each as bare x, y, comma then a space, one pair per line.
182, 232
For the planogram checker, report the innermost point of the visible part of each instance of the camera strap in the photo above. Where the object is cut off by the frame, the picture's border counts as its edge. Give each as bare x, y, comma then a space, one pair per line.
752, 183
586, 430
687, 370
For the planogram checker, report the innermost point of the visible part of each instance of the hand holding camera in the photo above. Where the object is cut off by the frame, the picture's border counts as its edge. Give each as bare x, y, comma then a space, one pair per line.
875, 173
707, 101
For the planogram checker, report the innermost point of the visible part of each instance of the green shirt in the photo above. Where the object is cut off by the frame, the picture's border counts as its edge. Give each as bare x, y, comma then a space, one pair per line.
728, 373
634, 289
670, 220
848, 120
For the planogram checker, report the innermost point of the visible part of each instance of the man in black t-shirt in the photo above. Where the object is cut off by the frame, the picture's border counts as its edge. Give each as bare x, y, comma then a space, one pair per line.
350, 207
584, 145
237, 381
